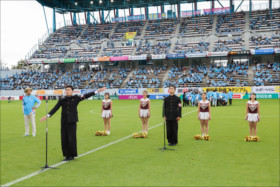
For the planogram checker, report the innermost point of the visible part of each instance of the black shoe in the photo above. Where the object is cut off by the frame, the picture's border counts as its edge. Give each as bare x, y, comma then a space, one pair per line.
173, 144
71, 158
66, 158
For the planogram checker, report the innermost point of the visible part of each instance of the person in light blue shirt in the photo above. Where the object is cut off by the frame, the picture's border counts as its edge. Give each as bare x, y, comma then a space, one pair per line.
197, 98
209, 95
193, 95
230, 96
28, 107
215, 97
225, 98
188, 97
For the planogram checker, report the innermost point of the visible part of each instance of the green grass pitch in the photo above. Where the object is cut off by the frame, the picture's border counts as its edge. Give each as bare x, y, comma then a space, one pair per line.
225, 160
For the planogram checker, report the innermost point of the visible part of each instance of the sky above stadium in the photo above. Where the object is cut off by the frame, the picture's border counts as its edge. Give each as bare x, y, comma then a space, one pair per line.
23, 23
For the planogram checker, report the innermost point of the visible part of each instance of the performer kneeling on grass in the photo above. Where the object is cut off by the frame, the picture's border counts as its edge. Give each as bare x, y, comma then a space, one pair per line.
69, 119
253, 114
172, 110
204, 114
145, 111
107, 112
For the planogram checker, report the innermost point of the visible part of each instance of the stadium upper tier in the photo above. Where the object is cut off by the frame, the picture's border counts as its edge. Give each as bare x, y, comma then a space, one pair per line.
221, 33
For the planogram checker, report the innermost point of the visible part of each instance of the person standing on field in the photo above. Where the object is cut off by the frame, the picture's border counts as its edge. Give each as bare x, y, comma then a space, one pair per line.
69, 119
28, 108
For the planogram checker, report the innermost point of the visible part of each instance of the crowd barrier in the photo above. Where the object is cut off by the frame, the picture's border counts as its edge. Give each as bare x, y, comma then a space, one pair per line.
263, 92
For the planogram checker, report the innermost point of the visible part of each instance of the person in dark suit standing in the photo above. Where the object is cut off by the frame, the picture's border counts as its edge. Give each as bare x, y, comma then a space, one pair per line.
172, 113
69, 119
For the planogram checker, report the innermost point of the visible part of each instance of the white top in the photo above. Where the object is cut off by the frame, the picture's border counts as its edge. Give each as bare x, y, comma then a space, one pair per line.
250, 102
206, 101
147, 99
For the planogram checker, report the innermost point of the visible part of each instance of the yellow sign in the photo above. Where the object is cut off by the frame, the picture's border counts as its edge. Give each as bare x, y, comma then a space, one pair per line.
233, 89
58, 92
130, 35
40, 92
105, 58
277, 89
155, 90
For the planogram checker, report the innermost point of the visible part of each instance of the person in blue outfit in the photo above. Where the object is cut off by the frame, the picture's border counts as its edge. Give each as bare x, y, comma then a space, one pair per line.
225, 98
193, 95
215, 97
230, 96
28, 108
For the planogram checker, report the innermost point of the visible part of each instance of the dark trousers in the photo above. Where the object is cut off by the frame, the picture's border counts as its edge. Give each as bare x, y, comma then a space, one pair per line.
188, 102
184, 102
172, 131
230, 101
69, 139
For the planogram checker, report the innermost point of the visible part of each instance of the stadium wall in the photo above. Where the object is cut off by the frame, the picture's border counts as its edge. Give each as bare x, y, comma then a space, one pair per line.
263, 92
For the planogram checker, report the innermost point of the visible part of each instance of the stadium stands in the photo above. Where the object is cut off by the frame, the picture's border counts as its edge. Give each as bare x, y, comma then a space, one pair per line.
233, 24
263, 21
231, 75
266, 74
200, 26
146, 77
188, 35
190, 76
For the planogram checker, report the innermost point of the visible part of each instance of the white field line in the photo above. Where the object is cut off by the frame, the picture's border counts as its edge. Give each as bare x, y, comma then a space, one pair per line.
81, 155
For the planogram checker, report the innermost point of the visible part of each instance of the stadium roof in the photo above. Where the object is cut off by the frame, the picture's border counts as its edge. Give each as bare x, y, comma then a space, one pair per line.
62, 6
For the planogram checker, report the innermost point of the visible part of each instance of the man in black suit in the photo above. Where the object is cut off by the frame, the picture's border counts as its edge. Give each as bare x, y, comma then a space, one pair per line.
69, 119
172, 113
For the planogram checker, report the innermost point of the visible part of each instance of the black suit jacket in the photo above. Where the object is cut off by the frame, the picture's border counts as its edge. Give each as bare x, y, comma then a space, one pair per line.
172, 107
69, 113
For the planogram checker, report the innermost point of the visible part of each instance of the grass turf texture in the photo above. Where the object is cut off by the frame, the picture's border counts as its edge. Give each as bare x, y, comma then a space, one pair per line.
224, 160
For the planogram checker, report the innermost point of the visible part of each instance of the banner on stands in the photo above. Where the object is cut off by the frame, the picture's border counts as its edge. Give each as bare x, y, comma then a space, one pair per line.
227, 89
175, 56
11, 97
263, 89
101, 97
182, 90
119, 19
191, 13
237, 96
104, 59
277, 50
224, 10
154, 90
244, 52
95, 59
36, 61
263, 96
140, 57
68, 60
128, 91
157, 96
158, 57
215, 54
58, 92
119, 58
157, 16
136, 17
130, 35
268, 51
51, 61
194, 55
84, 60
130, 96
